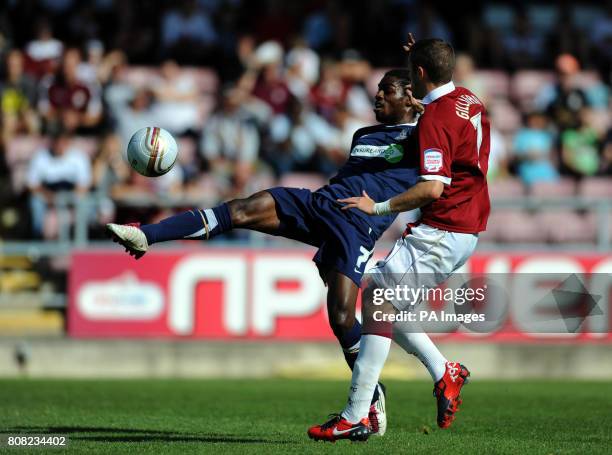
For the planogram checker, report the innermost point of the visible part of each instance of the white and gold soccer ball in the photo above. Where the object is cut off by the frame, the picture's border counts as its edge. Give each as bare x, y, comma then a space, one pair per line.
152, 151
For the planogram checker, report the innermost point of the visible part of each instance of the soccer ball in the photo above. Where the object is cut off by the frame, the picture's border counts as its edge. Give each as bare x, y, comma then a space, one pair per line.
152, 151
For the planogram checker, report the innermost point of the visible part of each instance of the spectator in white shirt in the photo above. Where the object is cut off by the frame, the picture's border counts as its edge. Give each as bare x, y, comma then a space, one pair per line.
230, 141
53, 170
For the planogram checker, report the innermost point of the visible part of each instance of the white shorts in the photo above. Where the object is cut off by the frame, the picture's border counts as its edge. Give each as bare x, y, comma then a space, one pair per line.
424, 258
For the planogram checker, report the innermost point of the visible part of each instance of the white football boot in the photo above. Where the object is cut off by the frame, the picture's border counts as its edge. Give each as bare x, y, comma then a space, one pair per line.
378, 413
130, 236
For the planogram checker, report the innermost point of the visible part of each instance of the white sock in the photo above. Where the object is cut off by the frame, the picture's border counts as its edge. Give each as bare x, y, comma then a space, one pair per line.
419, 344
373, 353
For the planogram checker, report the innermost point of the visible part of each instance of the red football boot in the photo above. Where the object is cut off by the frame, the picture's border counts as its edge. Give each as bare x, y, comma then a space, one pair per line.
447, 391
339, 428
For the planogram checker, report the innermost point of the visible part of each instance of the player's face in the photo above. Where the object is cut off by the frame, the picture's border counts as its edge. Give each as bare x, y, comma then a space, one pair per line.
393, 102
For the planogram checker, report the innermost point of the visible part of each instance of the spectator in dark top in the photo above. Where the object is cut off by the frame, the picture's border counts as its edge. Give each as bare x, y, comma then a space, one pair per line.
18, 99
605, 166
69, 101
188, 34
563, 101
524, 46
601, 38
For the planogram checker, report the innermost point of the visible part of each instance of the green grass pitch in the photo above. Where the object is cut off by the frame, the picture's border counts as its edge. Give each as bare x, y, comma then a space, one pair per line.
271, 416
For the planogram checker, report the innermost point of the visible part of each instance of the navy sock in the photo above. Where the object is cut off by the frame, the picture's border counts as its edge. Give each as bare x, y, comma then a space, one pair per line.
350, 343
190, 225
350, 347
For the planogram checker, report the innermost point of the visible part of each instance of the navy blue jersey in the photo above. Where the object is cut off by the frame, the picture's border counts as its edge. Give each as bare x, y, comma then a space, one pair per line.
383, 162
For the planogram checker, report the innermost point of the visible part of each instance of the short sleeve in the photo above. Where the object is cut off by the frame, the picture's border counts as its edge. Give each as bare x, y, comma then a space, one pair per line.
434, 151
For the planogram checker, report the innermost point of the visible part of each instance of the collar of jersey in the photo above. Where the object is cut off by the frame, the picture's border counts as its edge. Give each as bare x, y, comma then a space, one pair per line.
438, 92
401, 124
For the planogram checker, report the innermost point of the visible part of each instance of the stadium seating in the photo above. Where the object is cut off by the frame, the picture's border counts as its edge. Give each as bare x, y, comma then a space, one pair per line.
567, 226
596, 187
510, 188
554, 190
514, 225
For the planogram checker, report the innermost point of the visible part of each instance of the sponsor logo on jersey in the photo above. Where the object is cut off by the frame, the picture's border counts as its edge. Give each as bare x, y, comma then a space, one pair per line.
432, 160
392, 153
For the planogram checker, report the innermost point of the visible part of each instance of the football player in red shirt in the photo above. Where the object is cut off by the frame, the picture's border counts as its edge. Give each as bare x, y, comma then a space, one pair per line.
453, 146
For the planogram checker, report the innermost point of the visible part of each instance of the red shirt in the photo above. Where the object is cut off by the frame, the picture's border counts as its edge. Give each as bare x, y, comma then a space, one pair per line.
75, 96
454, 141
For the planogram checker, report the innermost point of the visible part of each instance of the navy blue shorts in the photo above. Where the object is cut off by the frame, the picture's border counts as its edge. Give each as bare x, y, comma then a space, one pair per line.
345, 243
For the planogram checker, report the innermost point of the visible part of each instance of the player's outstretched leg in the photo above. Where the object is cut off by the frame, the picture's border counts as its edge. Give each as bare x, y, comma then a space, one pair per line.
257, 212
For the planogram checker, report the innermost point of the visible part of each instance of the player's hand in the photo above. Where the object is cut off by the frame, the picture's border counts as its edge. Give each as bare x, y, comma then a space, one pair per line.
409, 43
363, 203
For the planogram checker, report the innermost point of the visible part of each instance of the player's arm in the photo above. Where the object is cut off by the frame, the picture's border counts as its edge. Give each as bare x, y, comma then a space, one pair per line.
435, 172
416, 197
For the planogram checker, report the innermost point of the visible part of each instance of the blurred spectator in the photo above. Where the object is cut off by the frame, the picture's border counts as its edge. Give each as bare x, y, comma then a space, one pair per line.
302, 69
465, 76
355, 71
109, 165
177, 98
234, 63
230, 141
563, 101
498, 156
601, 37
188, 33
109, 169
606, 155
304, 141
56, 6
273, 21
66, 100
426, 24
131, 111
145, 190
533, 149
44, 51
330, 92
18, 98
347, 124
270, 85
319, 25
61, 167
580, 148
88, 70
523, 45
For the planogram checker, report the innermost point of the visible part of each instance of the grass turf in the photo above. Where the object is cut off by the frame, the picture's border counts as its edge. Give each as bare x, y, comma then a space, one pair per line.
271, 416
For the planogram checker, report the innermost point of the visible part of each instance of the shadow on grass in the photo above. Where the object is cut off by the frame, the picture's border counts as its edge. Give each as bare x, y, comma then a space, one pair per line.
110, 434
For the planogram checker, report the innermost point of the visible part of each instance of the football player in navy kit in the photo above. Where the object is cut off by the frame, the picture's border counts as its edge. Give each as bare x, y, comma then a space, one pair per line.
382, 163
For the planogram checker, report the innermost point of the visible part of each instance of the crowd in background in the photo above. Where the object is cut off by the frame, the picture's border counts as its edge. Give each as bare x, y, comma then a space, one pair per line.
257, 91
